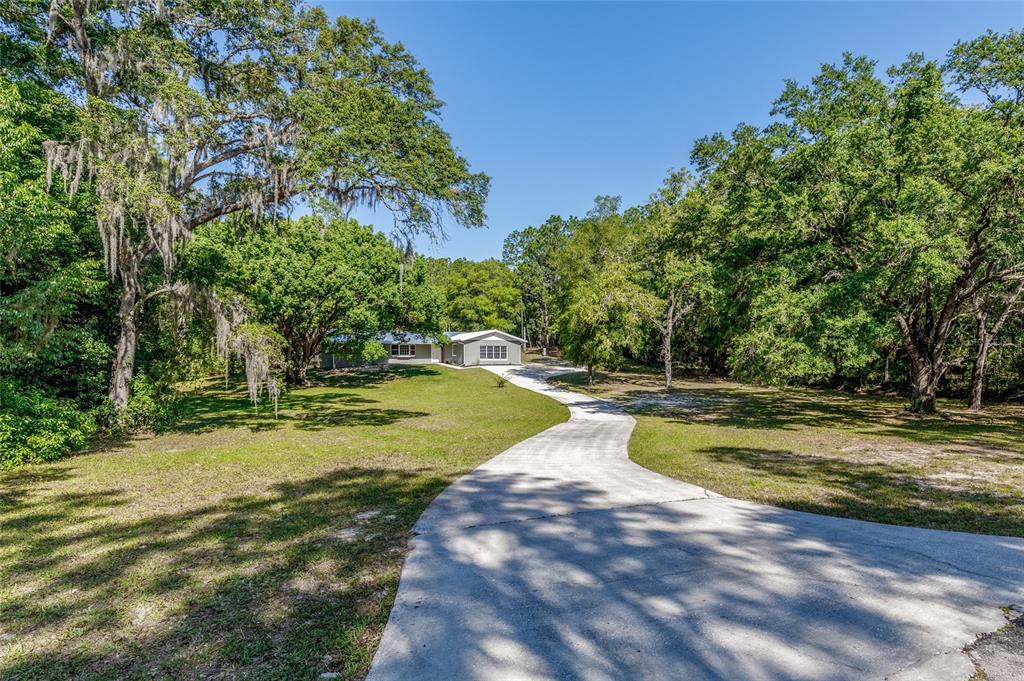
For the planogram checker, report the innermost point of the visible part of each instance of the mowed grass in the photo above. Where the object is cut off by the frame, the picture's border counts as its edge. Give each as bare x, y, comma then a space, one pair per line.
239, 546
835, 453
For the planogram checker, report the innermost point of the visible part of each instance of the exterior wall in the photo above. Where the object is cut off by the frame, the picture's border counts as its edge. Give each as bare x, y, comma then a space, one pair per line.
472, 352
457, 353
425, 354
452, 353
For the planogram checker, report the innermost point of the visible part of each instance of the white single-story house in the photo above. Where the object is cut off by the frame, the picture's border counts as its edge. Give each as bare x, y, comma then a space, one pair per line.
464, 348
473, 348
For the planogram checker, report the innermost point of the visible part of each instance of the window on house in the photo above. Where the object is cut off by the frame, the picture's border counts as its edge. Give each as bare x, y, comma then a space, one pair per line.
403, 350
493, 352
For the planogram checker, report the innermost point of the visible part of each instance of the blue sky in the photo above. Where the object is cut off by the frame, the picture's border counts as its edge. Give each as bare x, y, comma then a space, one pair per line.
559, 102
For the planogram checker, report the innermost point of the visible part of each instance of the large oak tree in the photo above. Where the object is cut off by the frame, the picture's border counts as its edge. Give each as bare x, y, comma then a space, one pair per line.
478, 295
192, 110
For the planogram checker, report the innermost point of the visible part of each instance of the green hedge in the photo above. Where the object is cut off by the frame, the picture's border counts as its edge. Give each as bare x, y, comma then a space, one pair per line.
36, 427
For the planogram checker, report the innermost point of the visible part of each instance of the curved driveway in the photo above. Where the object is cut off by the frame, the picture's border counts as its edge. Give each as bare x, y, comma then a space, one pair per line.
562, 559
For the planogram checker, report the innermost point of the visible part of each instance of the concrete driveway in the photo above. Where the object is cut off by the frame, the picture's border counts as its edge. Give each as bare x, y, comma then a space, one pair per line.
562, 559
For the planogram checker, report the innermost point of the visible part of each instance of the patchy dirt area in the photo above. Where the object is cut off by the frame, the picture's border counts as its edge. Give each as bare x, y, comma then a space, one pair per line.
675, 402
840, 453
999, 656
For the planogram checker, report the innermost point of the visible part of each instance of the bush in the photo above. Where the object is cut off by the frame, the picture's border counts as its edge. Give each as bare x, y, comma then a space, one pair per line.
73, 362
152, 406
37, 427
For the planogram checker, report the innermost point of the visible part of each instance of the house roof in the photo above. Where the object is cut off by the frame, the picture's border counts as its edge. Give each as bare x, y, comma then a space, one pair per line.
423, 339
467, 336
392, 337
406, 337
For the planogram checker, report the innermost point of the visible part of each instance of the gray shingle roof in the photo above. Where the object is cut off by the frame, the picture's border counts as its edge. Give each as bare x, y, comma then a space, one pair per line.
391, 337
423, 339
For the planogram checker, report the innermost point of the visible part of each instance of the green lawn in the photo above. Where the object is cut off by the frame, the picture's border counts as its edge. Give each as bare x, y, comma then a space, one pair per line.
240, 546
843, 454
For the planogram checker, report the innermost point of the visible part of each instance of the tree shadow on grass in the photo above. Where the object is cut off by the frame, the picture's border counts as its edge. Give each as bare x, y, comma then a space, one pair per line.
714, 402
17, 485
261, 586
364, 378
887, 493
333, 398
332, 418
265, 585
792, 409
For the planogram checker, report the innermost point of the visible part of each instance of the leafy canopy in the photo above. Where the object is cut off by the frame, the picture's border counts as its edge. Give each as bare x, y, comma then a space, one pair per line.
478, 295
602, 307
53, 297
310, 278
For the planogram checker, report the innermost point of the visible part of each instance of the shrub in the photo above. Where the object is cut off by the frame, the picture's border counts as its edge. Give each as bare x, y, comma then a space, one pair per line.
152, 406
70, 362
37, 427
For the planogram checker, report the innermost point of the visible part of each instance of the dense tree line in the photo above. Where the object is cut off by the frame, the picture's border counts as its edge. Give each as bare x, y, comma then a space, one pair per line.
477, 294
55, 327
872, 235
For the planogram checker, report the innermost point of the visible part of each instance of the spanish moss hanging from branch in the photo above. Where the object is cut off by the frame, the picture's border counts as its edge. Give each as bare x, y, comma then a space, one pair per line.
261, 349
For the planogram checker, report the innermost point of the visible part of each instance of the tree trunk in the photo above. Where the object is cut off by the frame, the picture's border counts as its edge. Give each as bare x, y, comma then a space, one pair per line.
984, 337
924, 383
295, 372
123, 367
666, 352
978, 371
297, 361
666, 344
590, 374
546, 324
925, 356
